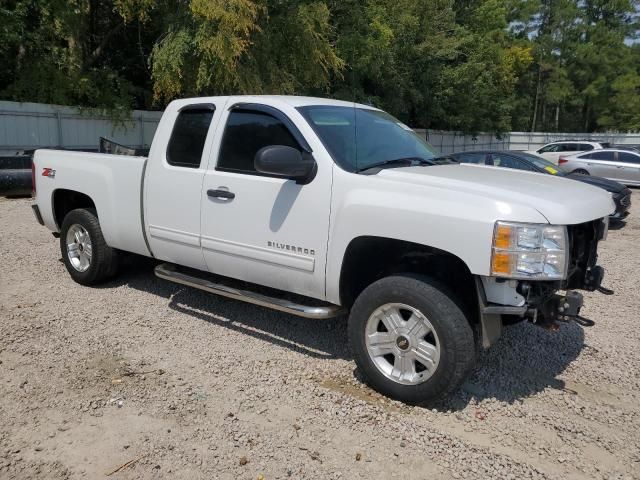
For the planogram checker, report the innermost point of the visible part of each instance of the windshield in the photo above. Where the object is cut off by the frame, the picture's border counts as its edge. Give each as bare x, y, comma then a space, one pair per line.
358, 138
543, 163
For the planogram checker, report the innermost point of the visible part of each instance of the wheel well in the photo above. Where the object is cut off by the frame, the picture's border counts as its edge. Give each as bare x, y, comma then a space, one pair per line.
66, 200
368, 259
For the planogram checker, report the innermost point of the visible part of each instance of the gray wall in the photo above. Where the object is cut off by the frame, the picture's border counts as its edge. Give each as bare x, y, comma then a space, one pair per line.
450, 142
25, 126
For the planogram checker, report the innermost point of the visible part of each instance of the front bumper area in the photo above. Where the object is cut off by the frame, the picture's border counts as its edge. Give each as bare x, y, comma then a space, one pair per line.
623, 204
539, 301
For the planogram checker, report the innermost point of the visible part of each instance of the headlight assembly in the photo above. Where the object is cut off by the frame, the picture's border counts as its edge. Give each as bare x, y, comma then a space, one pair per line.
530, 251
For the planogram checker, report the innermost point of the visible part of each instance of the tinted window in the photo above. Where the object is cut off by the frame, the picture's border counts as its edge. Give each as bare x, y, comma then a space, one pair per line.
570, 147
608, 156
628, 157
477, 158
247, 132
585, 147
549, 148
507, 161
358, 138
541, 163
188, 137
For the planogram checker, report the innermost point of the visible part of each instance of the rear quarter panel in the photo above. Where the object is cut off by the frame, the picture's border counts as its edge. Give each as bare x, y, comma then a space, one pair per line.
113, 182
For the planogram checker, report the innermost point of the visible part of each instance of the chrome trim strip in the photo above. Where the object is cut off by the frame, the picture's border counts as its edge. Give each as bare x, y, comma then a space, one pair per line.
261, 254
175, 236
169, 272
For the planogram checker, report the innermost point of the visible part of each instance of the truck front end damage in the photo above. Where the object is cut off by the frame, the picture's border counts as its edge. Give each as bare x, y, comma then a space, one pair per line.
541, 299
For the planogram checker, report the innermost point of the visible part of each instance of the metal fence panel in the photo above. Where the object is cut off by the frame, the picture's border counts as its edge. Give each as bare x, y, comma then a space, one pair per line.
25, 126
450, 142
535, 140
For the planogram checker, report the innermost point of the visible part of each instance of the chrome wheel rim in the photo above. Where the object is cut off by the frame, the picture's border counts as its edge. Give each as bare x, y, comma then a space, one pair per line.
402, 343
79, 248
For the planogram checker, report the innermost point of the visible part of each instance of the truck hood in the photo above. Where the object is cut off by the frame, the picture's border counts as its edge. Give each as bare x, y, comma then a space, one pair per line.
560, 200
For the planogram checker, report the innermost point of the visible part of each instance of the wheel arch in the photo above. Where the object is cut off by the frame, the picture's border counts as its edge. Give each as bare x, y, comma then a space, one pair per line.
369, 258
64, 200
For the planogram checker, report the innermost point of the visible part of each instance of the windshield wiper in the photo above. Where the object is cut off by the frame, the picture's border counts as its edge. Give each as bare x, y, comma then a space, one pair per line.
397, 162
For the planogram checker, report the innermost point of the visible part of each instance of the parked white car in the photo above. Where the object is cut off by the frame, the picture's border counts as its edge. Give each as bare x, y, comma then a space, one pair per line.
552, 151
617, 164
285, 192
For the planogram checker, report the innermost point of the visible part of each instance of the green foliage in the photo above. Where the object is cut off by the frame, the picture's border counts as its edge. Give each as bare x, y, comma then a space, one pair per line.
471, 65
581, 50
245, 46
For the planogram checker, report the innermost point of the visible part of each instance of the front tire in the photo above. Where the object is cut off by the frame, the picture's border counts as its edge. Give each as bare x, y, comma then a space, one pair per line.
88, 258
410, 339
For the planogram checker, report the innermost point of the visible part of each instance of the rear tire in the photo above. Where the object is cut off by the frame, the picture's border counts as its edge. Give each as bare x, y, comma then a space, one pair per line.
88, 258
581, 171
410, 339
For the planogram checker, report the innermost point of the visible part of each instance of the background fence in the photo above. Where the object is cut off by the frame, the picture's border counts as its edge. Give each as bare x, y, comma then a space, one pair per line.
449, 142
25, 126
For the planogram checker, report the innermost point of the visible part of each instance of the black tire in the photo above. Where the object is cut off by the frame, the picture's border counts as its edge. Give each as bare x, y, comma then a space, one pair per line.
580, 171
438, 305
104, 259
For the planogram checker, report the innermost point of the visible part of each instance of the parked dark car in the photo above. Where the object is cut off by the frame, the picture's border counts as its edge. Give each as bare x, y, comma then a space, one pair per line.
533, 163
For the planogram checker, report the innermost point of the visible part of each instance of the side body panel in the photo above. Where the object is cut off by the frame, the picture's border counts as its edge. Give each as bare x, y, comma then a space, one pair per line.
551, 156
173, 194
113, 182
440, 217
629, 164
603, 168
274, 231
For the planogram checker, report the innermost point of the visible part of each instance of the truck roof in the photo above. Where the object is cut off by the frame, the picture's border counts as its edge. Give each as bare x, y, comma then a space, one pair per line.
292, 100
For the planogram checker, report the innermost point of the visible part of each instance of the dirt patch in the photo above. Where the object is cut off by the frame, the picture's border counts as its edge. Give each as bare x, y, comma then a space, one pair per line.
187, 385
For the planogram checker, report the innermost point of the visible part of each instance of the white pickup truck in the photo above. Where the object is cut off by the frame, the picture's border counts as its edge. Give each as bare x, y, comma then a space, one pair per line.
325, 208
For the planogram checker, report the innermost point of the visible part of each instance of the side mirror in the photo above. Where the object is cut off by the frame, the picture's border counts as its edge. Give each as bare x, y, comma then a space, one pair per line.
286, 162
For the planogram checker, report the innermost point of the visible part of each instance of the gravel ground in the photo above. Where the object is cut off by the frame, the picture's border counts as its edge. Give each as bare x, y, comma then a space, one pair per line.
187, 385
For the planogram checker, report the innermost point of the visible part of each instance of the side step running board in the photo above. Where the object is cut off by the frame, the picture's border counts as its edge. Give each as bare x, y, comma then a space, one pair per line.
167, 271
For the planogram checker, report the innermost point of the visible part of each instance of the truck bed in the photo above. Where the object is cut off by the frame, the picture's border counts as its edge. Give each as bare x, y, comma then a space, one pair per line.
113, 182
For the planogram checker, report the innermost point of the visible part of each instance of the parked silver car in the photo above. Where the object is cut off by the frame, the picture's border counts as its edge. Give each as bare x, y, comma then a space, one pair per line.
616, 164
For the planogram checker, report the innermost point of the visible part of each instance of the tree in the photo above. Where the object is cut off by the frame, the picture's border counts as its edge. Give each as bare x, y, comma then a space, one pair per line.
245, 46
471, 65
69, 52
477, 89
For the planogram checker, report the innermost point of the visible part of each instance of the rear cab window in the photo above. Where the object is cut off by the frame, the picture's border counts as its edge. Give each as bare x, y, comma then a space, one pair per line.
189, 135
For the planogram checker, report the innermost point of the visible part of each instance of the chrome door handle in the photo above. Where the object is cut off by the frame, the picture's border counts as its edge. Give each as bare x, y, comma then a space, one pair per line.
221, 193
